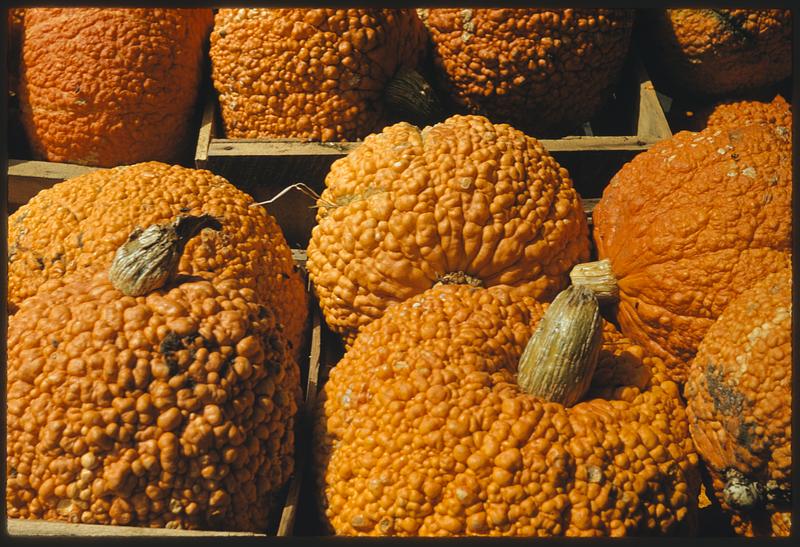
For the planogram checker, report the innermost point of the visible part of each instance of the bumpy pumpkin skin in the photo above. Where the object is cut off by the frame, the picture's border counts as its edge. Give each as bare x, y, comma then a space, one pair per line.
173, 409
688, 225
108, 87
422, 430
543, 71
316, 74
407, 207
81, 222
739, 400
718, 51
776, 112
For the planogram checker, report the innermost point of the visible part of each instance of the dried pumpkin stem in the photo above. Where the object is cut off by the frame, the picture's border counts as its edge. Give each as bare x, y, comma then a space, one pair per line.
413, 98
149, 258
561, 355
599, 277
458, 278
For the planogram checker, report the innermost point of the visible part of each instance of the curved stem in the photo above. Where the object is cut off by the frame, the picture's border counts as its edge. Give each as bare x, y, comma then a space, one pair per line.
561, 355
410, 95
149, 258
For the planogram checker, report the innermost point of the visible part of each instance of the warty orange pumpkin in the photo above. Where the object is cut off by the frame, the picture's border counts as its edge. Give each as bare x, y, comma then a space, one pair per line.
422, 429
464, 199
544, 71
109, 87
688, 225
171, 408
739, 403
317, 74
79, 223
777, 112
718, 51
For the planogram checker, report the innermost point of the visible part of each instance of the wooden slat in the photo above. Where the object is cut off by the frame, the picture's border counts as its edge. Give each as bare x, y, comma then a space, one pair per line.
652, 123
307, 412
250, 148
26, 178
205, 134
46, 528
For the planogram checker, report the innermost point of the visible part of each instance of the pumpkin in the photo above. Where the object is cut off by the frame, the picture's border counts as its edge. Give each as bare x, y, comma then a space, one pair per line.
166, 405
739, 400
422, 429
718, 51
79, 223
107, 87
544, 71
688, 225
777, 112
465, 199
317, 74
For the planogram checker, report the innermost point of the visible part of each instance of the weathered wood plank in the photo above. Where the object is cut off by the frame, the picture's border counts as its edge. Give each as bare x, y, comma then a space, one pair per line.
652, 125
46, 528
26, 178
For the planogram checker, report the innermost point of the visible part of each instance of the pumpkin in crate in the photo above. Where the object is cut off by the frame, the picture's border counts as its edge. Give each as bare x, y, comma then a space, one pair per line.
739, 402
424, 426
109, 87
79, 223
463, 200
687, 226
544, 71
316, 74
718, 51
140, 396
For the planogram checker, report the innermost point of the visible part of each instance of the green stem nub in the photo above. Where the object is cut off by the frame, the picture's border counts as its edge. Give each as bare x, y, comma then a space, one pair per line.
413, 99
561, 355
148, 260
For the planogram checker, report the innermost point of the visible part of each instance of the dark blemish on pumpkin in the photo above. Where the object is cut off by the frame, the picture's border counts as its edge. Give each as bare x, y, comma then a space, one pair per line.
56, 258
262, 312
79, 240
40, 261
726, 399
226, 365
746, 435
172, 365
184, 209
190, 382
12, 472
170, 344
735, 156
54, 343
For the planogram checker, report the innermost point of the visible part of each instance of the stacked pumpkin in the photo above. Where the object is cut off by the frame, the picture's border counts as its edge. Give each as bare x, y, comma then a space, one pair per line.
434, 255
152, 378
705, 285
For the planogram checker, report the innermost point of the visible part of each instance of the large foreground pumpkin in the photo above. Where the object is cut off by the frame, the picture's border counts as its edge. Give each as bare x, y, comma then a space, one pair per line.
423, 430
317, 74
174, 408
111, 87
464, 199
739, 396
690, 224
79, 224
544, 71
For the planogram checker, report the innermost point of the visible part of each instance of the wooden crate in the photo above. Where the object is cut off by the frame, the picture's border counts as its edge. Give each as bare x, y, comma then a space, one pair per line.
288, 498
265, 167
